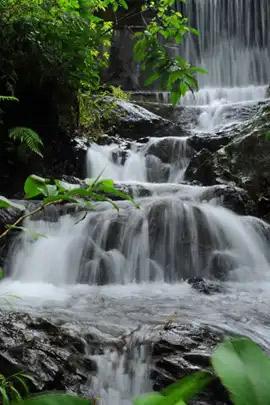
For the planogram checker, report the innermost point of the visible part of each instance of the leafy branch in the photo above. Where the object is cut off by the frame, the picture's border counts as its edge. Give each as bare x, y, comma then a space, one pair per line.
53, 191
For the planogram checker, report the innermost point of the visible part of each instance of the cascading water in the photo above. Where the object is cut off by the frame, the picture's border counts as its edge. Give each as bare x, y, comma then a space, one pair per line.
141, 162
233, 46
123, 270
234, 41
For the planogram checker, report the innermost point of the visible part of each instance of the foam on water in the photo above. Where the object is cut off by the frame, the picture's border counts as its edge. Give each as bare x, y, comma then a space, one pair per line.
169, 238
140, 162
126, 269
233, 44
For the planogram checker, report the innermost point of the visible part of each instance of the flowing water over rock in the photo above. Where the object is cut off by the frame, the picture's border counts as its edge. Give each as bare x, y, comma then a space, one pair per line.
234, 41
114, 282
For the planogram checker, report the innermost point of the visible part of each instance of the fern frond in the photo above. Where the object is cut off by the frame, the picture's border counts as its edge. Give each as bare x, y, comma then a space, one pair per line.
8, 98
28, 138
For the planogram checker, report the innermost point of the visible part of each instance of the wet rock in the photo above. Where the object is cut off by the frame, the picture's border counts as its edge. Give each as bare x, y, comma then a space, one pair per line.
233, 198
186, 116
131, 121
201, 169
244, 162
7, 217
181, 350
55, 355
169, 150
210, 142
221, 264
58, 354
204, 286
264, 208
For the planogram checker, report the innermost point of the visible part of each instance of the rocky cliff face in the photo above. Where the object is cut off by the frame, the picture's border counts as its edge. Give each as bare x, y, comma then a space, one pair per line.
244, 161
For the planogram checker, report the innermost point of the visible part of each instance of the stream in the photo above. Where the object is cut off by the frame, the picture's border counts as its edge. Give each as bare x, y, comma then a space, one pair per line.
128, 271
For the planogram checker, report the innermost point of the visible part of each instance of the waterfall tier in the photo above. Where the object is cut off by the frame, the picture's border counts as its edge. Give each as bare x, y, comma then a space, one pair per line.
117, 271
170, 238
234, 41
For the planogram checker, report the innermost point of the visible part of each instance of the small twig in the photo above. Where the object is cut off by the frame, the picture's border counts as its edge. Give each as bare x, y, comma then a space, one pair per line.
27, 215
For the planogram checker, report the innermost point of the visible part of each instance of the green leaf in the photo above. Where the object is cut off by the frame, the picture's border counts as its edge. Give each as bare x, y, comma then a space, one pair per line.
6, 203
2, 273
53, 399
35, 186
28, 138
3, 394
149, 399
21, 379
151, 79
8, 98
14, 393
187, 387
34, 235
244, 369
179, 392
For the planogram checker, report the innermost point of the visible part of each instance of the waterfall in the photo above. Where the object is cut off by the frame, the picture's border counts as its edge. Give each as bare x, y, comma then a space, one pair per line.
234, 41
141, 162
233, 46
123, 376
168, 239
120, 270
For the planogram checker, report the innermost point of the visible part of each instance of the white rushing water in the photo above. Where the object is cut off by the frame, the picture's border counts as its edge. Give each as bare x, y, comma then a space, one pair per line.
121, 270
234, 41
168, 239
233, 46
139, 163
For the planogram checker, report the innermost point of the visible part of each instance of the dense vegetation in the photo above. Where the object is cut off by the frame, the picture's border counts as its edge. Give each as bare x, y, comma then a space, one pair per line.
53, 57
56, 46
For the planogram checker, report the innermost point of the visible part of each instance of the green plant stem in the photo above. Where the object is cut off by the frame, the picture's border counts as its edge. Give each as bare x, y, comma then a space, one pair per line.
25, 216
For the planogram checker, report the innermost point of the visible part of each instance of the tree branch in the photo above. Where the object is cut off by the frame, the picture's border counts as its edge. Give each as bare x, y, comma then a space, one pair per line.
27, 215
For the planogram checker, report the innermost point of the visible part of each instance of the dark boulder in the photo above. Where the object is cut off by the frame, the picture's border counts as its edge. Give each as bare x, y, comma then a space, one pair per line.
58, 355
201, 169
170, 150
182, 350
52, 356
233, 198
210, 142
131, 121
244, 162
222, 264
205, 286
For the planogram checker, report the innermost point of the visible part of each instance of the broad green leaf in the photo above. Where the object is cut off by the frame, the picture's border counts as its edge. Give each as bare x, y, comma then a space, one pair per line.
35, 186
179, 392
244, 369
6, 203
64, 186
53, 399
186, 388
149, 399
